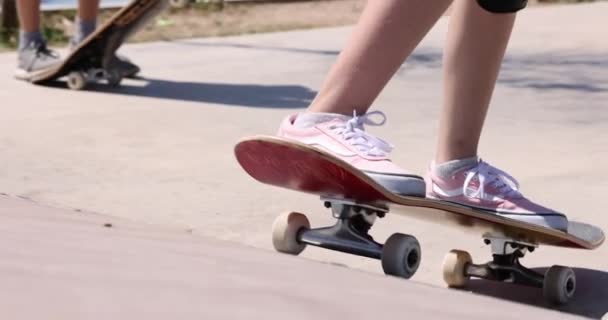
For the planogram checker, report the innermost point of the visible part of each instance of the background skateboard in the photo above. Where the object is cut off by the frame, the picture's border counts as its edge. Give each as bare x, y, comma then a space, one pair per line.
92, 59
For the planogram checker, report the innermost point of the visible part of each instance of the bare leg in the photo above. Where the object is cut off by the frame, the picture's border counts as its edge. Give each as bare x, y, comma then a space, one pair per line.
387, 32
86, 20
475, 47
29, 15
87, 10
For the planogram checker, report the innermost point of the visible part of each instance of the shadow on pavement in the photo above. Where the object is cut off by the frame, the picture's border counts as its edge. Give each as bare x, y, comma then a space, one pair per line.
542, 72
546, 71
590, 299
249, 95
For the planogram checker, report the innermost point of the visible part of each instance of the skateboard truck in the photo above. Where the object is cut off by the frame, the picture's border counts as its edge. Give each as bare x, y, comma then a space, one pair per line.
400, 255
505, 265
77, 80
507, 246
558, 283
350, 233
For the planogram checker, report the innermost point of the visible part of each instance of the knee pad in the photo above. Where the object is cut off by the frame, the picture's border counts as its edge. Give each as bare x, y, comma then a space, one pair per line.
503, 6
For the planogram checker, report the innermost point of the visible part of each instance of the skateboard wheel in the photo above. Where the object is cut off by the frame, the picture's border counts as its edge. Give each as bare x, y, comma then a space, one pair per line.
401, 255
77, 80
114, 78
454, 264
285, 231
559, 285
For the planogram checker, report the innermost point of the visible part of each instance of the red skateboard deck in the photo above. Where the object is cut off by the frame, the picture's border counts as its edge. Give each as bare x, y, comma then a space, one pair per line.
356, 201
293, 165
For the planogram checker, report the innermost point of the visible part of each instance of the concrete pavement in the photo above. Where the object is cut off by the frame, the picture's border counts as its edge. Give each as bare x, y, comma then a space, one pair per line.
61, 264
159, 150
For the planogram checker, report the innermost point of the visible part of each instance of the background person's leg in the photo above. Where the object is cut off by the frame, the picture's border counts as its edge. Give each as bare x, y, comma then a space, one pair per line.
86, 19
29, 22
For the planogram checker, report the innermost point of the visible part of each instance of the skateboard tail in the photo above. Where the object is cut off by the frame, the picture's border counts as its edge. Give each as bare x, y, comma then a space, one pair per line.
306, 173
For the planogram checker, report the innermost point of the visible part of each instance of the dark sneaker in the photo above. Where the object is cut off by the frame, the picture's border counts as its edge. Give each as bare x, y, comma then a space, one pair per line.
127, 68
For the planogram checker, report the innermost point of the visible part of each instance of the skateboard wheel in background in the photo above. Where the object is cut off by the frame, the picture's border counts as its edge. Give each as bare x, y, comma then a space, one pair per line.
401, 255
114, 78
77, 80
285, 231
559, 285
454, 264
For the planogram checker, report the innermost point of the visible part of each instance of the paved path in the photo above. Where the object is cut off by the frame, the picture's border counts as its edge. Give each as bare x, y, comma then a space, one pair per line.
60, 264
159, 150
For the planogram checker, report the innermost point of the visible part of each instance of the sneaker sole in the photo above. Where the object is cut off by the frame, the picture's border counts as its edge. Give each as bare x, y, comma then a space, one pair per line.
405, 185
556, 221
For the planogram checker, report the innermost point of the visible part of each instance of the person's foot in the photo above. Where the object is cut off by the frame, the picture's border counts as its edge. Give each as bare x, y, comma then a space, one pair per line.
34, 58
482, 186
126, 68
84, 29
346, 138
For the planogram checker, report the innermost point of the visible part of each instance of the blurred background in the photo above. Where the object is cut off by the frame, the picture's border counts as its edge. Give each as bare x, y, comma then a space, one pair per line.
202, 18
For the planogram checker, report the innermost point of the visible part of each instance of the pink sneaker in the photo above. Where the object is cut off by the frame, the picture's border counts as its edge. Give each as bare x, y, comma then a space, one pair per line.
493, 190
346, 138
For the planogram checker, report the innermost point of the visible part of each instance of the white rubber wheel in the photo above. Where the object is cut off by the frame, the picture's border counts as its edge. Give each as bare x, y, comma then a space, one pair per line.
401, 255
559, 285
114, 78
285, 231
454, 264
179, 4
77, 80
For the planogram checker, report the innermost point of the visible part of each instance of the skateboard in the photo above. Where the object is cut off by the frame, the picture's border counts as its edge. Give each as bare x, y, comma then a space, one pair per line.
356, 202
91, 60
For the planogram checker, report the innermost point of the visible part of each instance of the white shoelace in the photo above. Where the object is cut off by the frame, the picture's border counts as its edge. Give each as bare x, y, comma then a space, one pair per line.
353, 132
486, 174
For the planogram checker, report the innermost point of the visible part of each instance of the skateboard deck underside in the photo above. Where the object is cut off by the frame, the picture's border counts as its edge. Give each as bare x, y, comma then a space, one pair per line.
96, 50
292, 165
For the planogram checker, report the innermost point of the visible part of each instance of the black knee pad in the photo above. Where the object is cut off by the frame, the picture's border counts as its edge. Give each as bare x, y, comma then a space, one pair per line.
503, 6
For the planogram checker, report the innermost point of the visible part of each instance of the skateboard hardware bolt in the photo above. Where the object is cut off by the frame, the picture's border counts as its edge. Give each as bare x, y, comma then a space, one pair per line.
487, 241
327, 204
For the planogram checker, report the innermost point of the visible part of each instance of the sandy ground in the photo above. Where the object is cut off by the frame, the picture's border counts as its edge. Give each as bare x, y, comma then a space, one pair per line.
159, 150
252, 18
205, 20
